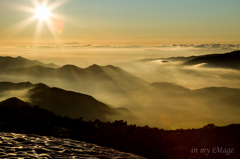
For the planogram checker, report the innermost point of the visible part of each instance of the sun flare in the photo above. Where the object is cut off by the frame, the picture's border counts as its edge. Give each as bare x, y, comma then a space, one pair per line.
42, 12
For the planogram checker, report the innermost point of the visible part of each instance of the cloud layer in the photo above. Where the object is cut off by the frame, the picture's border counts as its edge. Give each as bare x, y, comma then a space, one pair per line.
179, 46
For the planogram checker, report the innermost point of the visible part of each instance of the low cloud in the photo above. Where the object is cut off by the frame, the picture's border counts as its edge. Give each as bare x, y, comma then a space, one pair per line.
179, 46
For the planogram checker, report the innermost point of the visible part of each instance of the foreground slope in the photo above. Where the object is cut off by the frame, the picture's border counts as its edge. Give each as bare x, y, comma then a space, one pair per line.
153, 143
36, 146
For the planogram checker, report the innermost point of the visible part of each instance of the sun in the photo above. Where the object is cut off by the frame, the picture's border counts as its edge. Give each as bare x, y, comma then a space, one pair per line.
42, 12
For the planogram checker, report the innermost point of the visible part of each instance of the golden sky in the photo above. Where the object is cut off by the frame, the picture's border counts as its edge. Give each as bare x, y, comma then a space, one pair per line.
120, 22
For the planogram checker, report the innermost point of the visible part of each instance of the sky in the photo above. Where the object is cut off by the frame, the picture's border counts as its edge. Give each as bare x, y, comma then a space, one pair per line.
121, 22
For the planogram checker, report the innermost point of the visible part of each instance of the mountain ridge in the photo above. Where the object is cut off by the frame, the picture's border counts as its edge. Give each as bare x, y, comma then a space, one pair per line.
7, 62
67, 103
227, 60
222, 60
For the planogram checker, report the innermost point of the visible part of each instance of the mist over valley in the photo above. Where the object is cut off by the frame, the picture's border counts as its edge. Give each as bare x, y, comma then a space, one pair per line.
164, 92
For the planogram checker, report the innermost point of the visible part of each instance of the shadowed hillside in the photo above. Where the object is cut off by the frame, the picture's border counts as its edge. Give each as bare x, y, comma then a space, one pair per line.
228, 60
65, 103
159, 104
153, 143
72, 104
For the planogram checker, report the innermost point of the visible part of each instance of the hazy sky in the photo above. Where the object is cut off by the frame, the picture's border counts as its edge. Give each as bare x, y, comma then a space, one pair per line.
123, 22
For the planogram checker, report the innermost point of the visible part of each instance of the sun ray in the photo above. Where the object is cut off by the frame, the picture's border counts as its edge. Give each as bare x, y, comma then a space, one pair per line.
25, 8
57, 4
15, 29
42, 13
35, 3
45, 2
51, 28
38, 29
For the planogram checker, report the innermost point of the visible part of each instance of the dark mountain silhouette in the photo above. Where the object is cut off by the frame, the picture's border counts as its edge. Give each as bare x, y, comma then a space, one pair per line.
14, 102
17, 62
107, 83
18, 117
68, 103
22, 115
227, 60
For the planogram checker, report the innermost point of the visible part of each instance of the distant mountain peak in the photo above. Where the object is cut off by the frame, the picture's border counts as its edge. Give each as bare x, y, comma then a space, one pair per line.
20, 57
27, 83
38, 87
13, 102
52, 65
94, 65
41, 85
111, 66
70, 67
12, 99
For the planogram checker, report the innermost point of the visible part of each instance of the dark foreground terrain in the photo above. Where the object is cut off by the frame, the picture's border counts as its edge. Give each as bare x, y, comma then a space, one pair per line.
207, 142
34, 146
